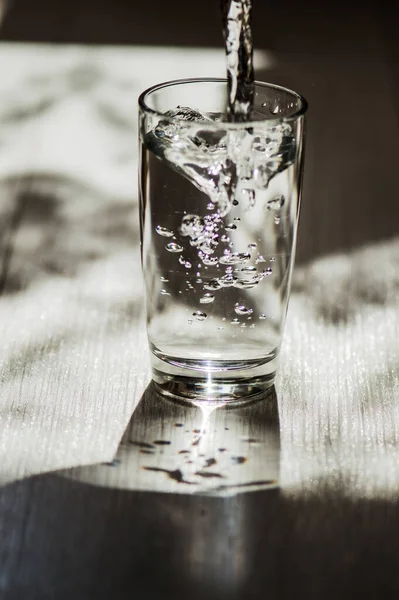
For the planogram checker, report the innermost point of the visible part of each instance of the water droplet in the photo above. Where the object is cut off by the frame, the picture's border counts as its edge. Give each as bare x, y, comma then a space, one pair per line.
248, 269
231, 227
235, 203
251, 246
182, 260
275, 108
163, 231
173, 247
240, 309
210, 206
262, 316
235, 258
277, 220
264, 104
225, 238
260, 259
163, 279
164, 293
276, 203
199, 315
235, 322
187, 264
236, 219
213, 284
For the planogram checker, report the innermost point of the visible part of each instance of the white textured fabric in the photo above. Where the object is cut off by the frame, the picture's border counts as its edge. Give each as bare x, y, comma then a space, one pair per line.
338, 383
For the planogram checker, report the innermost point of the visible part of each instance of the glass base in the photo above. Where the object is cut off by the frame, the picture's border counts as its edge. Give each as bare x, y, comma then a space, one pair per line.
199, 390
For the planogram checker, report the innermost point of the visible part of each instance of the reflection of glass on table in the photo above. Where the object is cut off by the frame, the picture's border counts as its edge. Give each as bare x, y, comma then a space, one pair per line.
219, 204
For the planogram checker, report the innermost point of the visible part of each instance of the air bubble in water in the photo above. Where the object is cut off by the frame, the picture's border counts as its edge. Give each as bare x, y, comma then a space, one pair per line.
240, 309
173, 247
277, 220
275, 108
262, 316
182, 260
251, 246
246, 284
276, 203
227, 280
235, 258
164, 280
163, 231
235, 203
260, 259
213, 284
225, 238
272, 259
187, 264
259, 145
264, 104
210, 206
207, 298
248, 269
190, 321
191, 225
164, 293
210, 260
231, 226
265, 273
262, 175
235, 322
249, 195
199, 315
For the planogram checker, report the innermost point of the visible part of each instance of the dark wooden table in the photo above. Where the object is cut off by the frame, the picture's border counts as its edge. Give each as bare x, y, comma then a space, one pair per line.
323, 525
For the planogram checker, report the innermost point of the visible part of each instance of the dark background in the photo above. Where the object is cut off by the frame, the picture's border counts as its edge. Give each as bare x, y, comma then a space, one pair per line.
342, 58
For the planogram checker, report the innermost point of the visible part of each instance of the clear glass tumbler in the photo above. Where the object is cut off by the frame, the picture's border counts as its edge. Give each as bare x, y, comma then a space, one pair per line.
219, 205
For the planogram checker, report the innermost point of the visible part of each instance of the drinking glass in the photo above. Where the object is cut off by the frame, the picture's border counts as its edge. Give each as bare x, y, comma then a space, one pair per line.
219, 204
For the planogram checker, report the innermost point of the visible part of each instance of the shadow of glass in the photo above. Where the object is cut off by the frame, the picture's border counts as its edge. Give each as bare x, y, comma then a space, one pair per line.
171, 447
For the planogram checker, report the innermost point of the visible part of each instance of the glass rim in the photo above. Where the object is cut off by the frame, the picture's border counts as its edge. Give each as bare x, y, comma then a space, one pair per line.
226, 124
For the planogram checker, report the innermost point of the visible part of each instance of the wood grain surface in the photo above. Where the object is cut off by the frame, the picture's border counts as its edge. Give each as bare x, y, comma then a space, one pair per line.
329, 432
